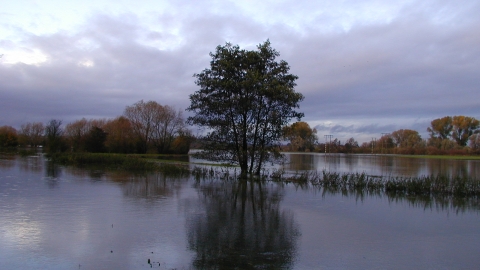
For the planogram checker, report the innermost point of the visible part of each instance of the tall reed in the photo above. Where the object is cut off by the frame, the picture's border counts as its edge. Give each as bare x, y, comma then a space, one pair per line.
392, 185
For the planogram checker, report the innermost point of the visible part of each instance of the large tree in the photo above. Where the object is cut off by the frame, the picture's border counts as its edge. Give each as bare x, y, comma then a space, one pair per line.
463, 128
441, 128
245, 100
459, 128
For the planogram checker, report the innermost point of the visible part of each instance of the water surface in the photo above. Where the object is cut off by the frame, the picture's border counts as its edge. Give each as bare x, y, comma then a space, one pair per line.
384, 165
56, 217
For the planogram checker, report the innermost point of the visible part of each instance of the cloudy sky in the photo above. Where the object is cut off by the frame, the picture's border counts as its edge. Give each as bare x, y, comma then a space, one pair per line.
365, 67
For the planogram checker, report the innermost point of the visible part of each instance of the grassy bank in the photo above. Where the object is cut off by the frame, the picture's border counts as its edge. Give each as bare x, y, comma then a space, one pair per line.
118, 161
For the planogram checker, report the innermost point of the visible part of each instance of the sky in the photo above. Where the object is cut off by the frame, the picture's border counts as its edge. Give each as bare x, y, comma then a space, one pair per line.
365, 67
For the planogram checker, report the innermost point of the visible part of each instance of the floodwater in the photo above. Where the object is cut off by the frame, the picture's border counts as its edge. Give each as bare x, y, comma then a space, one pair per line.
383, 165
56, 217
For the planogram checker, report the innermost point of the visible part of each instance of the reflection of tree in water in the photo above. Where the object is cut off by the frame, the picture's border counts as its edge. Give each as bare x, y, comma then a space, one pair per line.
7, 161
150, 186
440, 203
93, 173
399, 166
52, 171
31, 164
301, 162
351, 162
241, 226
458, 168
444, 203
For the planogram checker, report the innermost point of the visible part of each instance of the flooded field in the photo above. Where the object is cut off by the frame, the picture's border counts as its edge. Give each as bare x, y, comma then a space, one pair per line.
56, 217
383, 165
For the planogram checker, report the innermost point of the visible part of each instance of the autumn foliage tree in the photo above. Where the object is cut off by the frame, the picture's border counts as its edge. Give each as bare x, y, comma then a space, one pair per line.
441, 128
301, 136
457, 128
475, 142
463, 127
8, 136
121, 138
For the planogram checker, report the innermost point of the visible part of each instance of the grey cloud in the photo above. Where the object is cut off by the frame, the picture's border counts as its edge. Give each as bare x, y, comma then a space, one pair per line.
392, 71
375, 73
367, 129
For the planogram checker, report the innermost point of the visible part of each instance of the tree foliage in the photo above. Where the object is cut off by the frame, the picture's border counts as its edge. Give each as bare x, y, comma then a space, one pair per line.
95, 140
8, 136
463, 128
475, 142
245, 100
407, 138
350, 145
458, 128
301, 136
121, 138
441, 128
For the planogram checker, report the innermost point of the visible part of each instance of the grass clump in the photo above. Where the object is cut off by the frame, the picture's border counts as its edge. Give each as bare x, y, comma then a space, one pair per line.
439, 185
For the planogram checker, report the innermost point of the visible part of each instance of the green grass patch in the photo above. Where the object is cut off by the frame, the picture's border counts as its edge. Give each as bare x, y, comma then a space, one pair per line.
116, 161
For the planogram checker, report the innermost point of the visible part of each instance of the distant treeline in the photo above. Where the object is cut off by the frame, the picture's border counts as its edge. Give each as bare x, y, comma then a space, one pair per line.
148, 127
144, 127
450, 135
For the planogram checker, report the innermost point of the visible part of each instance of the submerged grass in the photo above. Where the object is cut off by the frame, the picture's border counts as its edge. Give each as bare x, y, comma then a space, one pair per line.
432, 185
429, 192
425, 189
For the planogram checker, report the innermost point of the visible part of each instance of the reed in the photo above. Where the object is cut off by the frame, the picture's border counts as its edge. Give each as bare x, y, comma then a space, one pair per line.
359, 183
432, 185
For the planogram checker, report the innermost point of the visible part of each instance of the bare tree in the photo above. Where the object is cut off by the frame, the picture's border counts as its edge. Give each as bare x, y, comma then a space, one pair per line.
141, 117
154, 124
32, 133
167, 125
76, 132
54, 133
